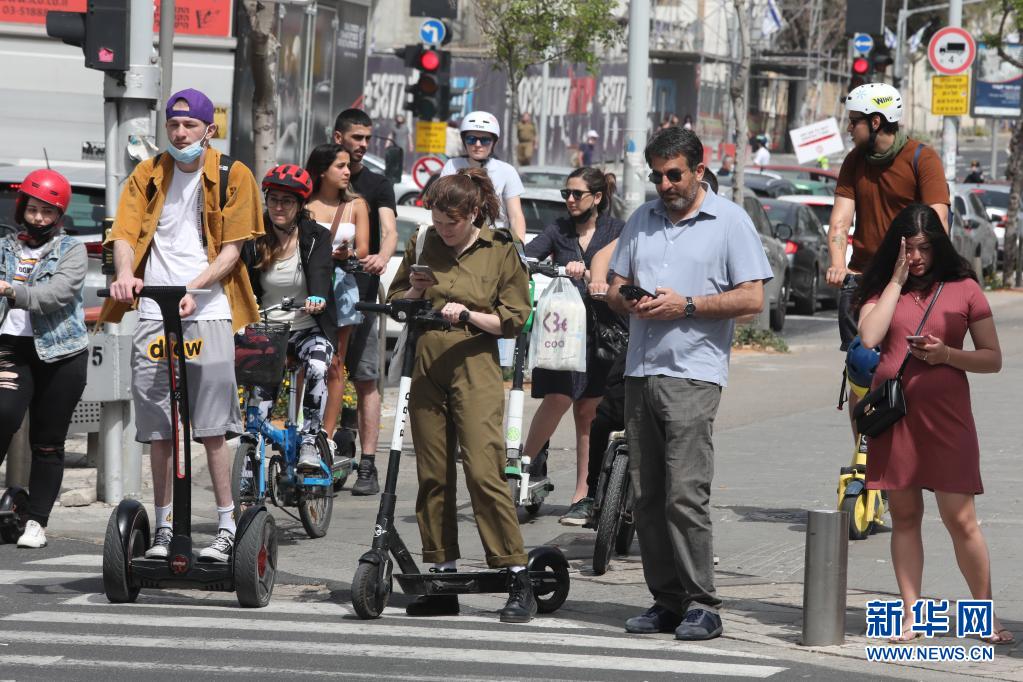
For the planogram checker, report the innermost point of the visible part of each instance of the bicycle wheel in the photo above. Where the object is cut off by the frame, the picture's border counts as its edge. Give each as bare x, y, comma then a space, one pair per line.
244, 476
861, 515
611, 512
627, 530
316, 503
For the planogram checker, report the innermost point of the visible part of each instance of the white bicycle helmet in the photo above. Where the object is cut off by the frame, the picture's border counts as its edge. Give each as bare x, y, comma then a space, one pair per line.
876, 98
480, 122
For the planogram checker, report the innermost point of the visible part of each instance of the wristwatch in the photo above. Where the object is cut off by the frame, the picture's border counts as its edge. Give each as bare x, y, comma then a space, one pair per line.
690, 308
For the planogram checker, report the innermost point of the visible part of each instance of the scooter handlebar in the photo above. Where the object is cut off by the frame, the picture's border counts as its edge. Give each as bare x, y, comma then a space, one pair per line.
381, 308
151, 291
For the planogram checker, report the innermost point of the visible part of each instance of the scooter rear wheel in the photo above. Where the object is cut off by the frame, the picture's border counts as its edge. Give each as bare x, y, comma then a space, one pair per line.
14, 500
119, 550
255, 561
370, 593
548, 571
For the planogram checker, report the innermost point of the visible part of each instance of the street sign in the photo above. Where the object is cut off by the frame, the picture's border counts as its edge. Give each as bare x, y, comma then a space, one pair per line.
431, 137
423, 168
950, 95
432, 31
863, 43
996, 82
951, 51
816, 140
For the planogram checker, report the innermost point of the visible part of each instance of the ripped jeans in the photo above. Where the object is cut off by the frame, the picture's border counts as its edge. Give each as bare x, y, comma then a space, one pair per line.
314, 351
51, 390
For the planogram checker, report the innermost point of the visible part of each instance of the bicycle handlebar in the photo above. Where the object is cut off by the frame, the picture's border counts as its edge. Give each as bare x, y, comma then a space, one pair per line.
287, 303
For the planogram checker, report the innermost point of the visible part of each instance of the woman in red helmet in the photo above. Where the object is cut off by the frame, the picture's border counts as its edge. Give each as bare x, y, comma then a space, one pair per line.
293, 259
42, 337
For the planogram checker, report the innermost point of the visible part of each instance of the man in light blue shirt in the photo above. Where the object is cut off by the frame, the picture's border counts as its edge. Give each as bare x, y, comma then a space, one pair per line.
700, 257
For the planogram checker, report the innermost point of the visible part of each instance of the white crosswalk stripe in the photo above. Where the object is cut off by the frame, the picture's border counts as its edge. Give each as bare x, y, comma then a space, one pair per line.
86, 633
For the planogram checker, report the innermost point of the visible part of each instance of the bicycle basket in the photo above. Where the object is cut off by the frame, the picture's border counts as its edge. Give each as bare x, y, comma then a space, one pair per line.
260, 352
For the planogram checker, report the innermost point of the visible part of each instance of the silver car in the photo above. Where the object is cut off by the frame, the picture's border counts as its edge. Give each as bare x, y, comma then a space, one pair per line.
972, 232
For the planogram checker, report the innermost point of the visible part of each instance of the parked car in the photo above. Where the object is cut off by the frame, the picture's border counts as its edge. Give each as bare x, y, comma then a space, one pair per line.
972, 233
405, 192
763, 185
545, 177
806, 246
995, 200
83, 219
812, 173
821, 207
776, 292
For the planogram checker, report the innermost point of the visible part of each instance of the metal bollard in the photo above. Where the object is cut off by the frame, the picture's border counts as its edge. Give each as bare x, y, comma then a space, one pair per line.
131, 455
19, 457
111, 429
824, 578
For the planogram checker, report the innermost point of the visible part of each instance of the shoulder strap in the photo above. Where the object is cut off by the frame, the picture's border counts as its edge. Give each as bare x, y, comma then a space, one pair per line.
225, 171
336, 221
421, 241
916, 160
920, 328
150, 190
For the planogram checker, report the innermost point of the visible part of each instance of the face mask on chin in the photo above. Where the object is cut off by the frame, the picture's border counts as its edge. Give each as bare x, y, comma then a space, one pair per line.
36, 235
190, 153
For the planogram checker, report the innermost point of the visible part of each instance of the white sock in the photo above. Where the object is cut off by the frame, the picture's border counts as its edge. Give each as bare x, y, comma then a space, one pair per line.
163, 516
226, 521
446, 566
516, 569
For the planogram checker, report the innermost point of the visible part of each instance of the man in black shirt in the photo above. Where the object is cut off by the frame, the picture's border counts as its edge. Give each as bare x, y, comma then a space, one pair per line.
353, 129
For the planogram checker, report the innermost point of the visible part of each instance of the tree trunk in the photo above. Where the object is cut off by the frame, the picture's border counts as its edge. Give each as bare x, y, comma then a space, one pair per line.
263, 60
1014, 171
512, 135
739, 91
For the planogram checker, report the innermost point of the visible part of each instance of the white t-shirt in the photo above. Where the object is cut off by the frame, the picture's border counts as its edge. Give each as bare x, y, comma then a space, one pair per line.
761, 157
286, 278
18, 322
506, 180
177, 256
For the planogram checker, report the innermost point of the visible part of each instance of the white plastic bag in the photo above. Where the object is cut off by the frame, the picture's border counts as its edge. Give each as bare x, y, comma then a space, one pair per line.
558, 339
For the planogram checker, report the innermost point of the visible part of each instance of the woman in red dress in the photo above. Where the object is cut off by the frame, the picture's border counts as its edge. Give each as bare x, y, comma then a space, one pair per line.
935, 445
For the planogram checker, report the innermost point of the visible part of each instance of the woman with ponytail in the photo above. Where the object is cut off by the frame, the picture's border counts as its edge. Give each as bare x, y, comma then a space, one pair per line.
573, 241
456, 401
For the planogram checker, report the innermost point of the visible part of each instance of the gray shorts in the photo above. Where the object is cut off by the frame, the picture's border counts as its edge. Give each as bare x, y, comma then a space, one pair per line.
212, 390
363, 356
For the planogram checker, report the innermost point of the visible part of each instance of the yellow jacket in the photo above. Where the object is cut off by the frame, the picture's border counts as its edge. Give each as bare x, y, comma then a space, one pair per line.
241, 219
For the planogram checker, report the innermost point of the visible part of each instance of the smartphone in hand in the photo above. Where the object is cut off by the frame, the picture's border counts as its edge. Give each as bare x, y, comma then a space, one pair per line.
425, 270
634, 293
915, 339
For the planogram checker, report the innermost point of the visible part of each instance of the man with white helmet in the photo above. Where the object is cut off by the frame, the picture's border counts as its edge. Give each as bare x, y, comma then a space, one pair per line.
885, 172
480, 132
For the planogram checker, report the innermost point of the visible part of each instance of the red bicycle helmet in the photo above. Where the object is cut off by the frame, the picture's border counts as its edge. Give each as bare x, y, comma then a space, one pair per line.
45, 185
290, 178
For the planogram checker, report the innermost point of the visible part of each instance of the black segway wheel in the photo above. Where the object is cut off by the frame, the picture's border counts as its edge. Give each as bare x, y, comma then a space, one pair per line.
127, 538
371, 589
255, 561
344, 439
14, 500
244, 477
612, 510
548, 571
316, 503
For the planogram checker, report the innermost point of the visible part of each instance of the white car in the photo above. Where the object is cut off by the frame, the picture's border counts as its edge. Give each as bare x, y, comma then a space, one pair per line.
405, 192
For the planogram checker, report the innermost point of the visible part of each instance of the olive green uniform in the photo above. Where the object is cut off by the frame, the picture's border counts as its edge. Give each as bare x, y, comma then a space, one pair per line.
457, 395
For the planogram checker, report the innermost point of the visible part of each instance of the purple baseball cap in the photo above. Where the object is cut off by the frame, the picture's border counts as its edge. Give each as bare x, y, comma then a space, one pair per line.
199, 105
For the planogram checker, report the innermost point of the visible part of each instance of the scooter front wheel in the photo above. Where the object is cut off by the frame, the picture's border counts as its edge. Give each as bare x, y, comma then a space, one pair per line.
861, 514
371, 589
548, 571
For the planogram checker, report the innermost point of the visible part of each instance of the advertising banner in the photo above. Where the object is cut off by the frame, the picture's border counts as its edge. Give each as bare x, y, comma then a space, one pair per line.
192, 17
996, 83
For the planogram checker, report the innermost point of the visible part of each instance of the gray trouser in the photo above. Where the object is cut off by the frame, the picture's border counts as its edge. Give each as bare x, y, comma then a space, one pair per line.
669, 423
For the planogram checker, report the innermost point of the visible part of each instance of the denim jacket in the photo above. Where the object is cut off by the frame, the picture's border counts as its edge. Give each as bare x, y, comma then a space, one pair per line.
52, 295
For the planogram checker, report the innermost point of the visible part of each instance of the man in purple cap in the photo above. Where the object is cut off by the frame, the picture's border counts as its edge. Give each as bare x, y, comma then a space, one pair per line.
171, 230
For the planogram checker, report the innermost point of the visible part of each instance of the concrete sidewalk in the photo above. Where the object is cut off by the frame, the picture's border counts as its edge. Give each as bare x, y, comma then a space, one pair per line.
779, 445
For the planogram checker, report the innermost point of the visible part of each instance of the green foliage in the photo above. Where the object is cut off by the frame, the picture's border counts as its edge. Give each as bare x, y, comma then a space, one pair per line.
750, 338
525, 33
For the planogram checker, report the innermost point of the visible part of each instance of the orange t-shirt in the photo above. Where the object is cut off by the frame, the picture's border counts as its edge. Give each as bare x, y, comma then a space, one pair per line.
880, 192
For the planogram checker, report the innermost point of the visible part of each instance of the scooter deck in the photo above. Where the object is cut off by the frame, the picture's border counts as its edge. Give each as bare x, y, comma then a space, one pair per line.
159, 573
469, 582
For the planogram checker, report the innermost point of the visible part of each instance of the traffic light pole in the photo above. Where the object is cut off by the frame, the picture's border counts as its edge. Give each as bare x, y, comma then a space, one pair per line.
129, 99
636, 104
167, 14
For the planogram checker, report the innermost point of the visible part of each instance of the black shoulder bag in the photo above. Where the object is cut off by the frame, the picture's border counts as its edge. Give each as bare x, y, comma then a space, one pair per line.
886, 404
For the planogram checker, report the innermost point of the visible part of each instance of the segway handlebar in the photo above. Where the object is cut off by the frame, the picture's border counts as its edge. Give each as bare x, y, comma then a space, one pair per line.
156, 291
404, 310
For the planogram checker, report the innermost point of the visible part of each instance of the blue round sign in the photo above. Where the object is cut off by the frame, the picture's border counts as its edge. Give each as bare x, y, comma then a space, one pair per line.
433, 31
863, 43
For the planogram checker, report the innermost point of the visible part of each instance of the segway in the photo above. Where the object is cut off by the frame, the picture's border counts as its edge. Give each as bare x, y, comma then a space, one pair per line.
13, 513
252, 568
527, 477
373, 581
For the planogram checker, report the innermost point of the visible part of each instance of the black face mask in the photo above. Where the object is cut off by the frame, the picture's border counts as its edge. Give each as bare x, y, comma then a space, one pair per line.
582, 217
37, 235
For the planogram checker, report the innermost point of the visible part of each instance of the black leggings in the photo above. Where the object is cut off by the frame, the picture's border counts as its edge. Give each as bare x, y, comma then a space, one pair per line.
52, 390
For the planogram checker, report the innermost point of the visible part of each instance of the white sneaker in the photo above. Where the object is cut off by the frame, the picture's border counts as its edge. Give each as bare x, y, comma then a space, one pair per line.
309, 456
34, 536
160, 543
220, 549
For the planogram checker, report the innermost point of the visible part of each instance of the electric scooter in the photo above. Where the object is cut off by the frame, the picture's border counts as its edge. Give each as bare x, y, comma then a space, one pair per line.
529, 486
252, 568
373, 581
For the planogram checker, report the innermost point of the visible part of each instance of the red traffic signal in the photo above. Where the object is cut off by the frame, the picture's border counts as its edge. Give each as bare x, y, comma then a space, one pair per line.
860, 66
429, 60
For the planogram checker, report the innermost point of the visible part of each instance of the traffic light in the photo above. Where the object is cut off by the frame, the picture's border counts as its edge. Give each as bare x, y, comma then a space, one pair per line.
861, 69
880, 61
102, 31
431, 94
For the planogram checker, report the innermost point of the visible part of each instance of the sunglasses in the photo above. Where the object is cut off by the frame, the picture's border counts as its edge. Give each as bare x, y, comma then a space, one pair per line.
854, 121
470, 140
576, 194
673, 175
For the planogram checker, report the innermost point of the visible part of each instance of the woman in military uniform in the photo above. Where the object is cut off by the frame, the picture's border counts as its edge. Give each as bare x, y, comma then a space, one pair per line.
457, 395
